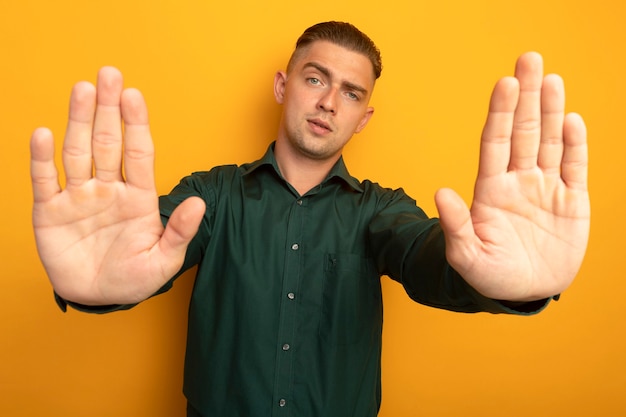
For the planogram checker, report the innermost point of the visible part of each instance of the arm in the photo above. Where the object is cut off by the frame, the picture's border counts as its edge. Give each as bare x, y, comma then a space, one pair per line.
100, 238
526, 233
409, 247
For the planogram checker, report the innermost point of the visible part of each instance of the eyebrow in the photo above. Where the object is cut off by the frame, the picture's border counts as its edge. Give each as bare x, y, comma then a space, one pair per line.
326, 72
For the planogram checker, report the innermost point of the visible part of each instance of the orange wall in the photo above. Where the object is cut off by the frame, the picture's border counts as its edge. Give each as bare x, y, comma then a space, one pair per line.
206, 69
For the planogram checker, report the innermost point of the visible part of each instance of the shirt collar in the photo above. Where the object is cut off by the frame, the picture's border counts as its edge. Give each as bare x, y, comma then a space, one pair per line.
339, 170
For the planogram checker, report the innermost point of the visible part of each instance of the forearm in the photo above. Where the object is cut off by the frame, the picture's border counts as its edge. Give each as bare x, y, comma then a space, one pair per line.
419, 263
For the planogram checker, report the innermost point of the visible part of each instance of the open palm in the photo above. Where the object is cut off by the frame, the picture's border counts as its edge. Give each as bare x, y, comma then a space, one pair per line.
526, 233
100, 238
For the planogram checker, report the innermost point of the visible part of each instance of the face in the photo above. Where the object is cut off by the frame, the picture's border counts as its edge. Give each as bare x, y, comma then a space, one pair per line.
325, 99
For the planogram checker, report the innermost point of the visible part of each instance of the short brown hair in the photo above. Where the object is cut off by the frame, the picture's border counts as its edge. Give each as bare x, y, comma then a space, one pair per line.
342, 34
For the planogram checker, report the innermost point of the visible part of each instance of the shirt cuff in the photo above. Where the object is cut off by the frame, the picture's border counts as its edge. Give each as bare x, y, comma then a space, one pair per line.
63, 303
526, 307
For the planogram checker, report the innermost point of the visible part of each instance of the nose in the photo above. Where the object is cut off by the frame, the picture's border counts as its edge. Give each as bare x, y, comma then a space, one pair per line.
328, 102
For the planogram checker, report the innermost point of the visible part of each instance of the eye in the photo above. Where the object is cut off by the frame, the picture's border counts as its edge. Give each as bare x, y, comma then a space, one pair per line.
314, 81
352, 96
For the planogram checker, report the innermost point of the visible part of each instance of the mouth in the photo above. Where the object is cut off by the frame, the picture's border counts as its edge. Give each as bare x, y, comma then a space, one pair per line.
319, 126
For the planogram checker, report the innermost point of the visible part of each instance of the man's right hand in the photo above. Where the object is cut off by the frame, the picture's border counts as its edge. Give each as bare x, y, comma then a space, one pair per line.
101, 239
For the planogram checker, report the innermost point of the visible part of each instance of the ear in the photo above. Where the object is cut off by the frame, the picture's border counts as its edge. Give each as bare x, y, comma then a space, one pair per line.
366, 118
280, 82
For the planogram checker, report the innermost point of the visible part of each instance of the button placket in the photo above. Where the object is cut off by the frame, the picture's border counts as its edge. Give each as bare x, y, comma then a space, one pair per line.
287, 325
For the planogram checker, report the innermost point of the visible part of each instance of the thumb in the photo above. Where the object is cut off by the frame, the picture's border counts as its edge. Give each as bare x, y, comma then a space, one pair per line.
180, 229
458, 230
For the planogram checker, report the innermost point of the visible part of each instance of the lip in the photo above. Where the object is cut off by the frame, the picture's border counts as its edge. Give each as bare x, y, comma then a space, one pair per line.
319, 126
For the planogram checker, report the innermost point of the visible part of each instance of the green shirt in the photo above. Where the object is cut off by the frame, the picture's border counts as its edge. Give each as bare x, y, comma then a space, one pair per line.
286, 312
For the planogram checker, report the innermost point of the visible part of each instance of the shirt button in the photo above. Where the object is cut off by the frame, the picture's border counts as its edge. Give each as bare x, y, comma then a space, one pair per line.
299, 202
295, 246
291, 296
286, 346
282, 402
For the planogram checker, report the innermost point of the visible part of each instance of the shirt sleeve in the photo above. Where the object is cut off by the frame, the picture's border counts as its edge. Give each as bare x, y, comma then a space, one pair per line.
409, 247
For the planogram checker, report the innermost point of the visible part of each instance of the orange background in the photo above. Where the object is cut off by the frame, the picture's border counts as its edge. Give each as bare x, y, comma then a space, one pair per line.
206, 69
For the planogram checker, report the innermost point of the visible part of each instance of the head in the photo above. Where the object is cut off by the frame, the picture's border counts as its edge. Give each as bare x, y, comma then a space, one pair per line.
342, 34
326, 89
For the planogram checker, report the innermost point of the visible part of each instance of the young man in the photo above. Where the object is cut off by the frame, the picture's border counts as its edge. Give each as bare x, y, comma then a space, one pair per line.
286, 315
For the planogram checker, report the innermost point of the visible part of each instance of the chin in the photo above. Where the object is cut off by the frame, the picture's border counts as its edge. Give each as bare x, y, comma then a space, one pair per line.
314, 147
318, 153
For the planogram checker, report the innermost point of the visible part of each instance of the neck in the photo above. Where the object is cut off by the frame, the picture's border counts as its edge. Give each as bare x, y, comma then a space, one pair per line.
302, 172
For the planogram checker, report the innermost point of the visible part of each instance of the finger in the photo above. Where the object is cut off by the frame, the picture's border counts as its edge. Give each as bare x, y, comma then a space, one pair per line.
77, 144
43, 172
552, 116
180, 229
138, 146
575, 157
107, 128
527, 124
495, 147
458, 229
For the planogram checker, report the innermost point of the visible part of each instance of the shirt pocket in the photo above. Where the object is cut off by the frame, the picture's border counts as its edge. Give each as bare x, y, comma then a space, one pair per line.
351, 300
